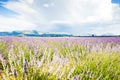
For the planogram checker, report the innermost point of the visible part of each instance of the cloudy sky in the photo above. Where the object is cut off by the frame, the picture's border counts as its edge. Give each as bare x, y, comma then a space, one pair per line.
70, 16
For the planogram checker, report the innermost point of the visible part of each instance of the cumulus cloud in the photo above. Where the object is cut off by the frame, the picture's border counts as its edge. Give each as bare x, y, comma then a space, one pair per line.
10, 24
112, 26
76, 16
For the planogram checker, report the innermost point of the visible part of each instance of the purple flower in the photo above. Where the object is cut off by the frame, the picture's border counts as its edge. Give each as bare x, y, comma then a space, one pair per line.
15, 73
25, 67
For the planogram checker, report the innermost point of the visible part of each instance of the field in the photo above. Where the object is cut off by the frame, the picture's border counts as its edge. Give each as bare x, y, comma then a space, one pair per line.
59, 58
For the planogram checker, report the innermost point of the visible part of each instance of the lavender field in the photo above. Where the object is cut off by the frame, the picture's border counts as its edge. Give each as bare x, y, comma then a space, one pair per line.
59, 58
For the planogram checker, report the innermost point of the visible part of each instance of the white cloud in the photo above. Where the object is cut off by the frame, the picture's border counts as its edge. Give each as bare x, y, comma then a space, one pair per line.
84, 11
24, 10
44, 14
8, 24
19, 7
46, 5
30, 1
113, 29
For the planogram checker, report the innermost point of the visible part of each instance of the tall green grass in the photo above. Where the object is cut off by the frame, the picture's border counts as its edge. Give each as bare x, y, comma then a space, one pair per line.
58, 61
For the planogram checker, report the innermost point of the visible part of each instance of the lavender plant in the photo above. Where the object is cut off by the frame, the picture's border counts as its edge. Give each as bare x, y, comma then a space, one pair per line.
26, 58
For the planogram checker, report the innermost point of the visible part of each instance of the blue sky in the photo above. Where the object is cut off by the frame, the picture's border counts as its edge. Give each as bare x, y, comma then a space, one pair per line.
78, 17
116, 1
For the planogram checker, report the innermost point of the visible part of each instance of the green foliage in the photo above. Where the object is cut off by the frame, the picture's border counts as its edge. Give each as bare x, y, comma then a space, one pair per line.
57, 60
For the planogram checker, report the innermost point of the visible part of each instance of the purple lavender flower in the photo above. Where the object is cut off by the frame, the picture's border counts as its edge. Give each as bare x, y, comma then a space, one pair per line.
25, 68
15, 73
58, 79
